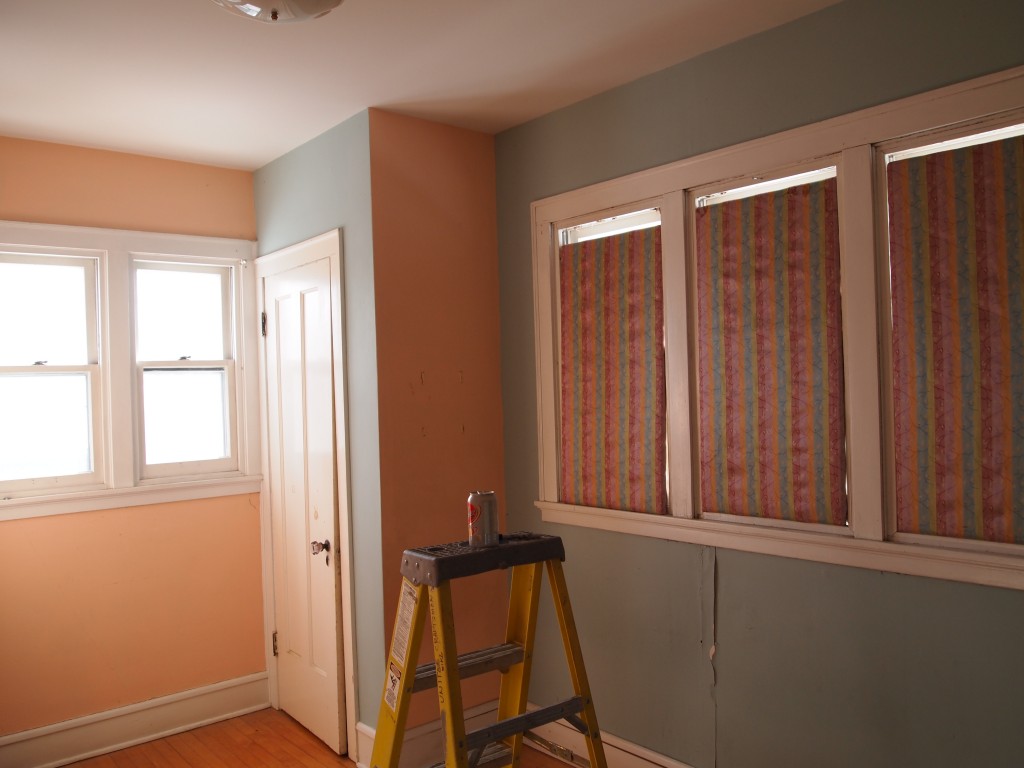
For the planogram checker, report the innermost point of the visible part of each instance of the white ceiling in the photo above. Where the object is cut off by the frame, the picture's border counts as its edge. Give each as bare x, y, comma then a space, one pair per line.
185, 79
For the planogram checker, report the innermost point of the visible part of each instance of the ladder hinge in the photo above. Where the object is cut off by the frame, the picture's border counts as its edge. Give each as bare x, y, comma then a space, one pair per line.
263, 323
275, 642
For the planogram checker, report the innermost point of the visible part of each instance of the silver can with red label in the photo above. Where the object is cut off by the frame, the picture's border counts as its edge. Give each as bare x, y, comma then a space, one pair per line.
482, 515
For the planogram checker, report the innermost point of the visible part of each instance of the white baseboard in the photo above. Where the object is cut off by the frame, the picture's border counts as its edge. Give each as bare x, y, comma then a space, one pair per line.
618, 752
83, 737
424, 744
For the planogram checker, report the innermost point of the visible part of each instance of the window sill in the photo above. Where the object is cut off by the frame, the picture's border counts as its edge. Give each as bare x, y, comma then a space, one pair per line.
915, 559
114, 498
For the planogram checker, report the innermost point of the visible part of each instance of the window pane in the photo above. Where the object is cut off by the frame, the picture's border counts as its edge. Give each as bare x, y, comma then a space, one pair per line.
179, 314
769, 341
613, 373
956, 242
46, 305
45, 428
186, 417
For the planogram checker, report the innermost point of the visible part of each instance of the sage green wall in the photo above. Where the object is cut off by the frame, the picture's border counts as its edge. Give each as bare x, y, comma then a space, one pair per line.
319, 186
815, 665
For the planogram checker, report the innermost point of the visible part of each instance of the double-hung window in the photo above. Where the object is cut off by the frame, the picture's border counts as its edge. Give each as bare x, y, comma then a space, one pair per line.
812, 346
184, 345
50, 383
127, 368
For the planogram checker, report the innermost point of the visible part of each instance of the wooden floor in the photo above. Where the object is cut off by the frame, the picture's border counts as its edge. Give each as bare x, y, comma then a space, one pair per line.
265, 739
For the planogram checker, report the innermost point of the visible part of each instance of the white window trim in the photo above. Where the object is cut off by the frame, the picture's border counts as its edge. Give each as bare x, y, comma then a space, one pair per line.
849, 142
120, 484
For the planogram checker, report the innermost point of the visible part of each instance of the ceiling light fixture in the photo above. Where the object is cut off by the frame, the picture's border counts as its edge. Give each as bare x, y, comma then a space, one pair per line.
280, 11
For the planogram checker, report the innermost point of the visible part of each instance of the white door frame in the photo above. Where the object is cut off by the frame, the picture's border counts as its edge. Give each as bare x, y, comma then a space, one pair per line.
327, 245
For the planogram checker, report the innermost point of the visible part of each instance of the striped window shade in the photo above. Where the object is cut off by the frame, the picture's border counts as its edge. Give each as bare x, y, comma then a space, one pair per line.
612, 440
956, 254
770, 358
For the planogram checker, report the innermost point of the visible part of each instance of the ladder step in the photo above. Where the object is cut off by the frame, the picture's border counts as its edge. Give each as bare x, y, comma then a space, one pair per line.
523, 723
473, 663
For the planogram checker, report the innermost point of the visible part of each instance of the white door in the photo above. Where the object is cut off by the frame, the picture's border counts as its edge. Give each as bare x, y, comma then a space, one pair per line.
303, 482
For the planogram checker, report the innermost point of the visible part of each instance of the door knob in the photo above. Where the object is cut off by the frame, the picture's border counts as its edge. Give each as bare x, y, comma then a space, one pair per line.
315, 547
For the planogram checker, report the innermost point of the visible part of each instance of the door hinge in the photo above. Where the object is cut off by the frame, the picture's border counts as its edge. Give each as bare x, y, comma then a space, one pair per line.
275, 642
263, 323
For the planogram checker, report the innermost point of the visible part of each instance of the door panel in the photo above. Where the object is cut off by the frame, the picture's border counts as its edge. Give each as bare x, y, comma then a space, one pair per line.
303, 496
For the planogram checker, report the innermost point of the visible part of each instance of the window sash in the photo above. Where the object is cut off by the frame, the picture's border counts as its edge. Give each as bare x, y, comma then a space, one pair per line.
613, 401
227, 340
89, 266
149, 470
770, 382
956, 286
92, 478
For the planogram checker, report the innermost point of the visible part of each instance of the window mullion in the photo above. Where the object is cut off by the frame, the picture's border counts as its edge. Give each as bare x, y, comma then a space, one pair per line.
860, 342
118, 385
677, 355
545, 283
244, 319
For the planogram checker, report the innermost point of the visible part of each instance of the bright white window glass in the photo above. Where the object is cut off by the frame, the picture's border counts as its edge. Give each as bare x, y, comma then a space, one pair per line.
45, 420
614, 225
43, 314
186, 414
179, 314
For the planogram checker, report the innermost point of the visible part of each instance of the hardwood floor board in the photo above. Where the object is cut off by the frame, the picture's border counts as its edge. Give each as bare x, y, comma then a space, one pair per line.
281, 753
158, 753
131, 757
257, 751
301, 743
194, 752
228, 736
211, 739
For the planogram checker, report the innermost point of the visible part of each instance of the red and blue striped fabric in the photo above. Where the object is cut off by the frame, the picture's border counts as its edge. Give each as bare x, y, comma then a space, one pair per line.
770, 358
957, 280
613, 373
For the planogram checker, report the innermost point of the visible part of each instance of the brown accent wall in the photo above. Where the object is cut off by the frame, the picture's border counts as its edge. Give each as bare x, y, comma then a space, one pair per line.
438, 352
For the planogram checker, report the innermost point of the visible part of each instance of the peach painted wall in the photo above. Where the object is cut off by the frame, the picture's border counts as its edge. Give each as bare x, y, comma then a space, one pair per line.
103, 609
436, 286
58, 184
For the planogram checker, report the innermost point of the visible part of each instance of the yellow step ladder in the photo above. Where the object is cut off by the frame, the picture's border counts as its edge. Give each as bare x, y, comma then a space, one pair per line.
426, 585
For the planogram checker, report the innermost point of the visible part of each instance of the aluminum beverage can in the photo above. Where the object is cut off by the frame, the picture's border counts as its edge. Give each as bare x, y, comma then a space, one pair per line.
482, 516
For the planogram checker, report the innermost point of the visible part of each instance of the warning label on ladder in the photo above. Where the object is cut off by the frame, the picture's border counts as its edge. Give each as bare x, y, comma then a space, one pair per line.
394, 681
403, 625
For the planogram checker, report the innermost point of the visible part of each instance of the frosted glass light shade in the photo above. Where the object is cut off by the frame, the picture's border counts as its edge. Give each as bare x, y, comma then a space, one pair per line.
280, 11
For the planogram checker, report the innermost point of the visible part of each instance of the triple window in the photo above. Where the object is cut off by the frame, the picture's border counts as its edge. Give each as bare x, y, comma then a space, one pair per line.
833, 346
